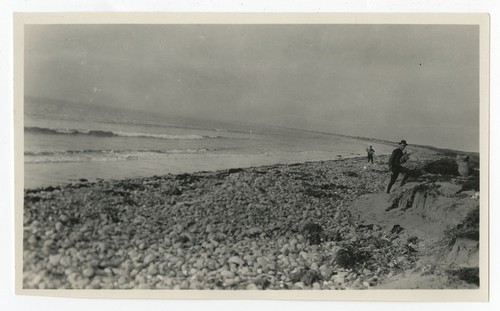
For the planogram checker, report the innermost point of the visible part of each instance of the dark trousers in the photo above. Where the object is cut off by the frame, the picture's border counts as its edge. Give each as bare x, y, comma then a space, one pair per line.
370, 158
395, 173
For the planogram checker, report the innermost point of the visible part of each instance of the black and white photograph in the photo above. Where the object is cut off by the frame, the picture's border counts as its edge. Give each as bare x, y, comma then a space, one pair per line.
210, 155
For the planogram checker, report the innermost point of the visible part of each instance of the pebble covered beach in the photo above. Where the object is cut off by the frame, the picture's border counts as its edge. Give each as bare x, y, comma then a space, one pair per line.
272, 227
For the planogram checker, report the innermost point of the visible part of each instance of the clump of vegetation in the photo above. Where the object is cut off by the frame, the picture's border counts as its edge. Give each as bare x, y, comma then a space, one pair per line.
306, 276
182, 239
344, 258
468, 228
444, 166
313, 233
469, 275
472, 182
262, 283
351, 256
415, 174
187, 179
333, 235
351, 174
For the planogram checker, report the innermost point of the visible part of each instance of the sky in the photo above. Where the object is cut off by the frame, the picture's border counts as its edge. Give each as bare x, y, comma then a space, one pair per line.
392, 82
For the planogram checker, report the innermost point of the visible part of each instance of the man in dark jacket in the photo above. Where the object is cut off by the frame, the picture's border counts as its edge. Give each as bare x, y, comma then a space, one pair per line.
395, 161
371, 152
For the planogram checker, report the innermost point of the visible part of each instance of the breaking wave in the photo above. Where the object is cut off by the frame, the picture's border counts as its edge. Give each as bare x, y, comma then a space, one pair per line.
100, 133
110, 155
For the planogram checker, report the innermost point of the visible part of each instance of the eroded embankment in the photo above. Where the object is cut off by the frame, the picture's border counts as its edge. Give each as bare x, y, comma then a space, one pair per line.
438, 215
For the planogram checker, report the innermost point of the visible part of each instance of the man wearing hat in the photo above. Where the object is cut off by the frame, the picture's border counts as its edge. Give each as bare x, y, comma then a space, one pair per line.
395, 161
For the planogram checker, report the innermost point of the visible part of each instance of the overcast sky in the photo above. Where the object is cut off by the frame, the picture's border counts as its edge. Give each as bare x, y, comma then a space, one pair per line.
413, 82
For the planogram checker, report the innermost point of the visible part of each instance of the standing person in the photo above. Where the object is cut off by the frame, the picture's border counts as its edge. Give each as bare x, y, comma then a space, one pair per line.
371, 152
395, 161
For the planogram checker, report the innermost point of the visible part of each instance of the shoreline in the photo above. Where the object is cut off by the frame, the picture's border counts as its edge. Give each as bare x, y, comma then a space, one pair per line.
281, 226
101, 168
65, 173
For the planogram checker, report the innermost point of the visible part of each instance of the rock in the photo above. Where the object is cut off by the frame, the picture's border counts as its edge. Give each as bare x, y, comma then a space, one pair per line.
236, 260
373, 281
195, 285
351, 277
149, 258
54, 259
81, 283
304, 255
284, 250
298, 285
65, 261
234, 170
325, 271
208, 246
179, 228
252, 286
270, 269
59, 226
88, 272
357, 283
254, 231
48, 243
152, 269
262, 261
185, 284
299, 247
244, 271
122, 280
212, 264
200, 263
209, 228
227, 274
338, 278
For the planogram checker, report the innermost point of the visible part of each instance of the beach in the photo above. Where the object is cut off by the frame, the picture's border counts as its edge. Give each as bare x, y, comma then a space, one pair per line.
322, 225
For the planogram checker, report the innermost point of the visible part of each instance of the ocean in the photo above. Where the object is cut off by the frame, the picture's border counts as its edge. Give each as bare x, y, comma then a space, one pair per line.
65, 142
